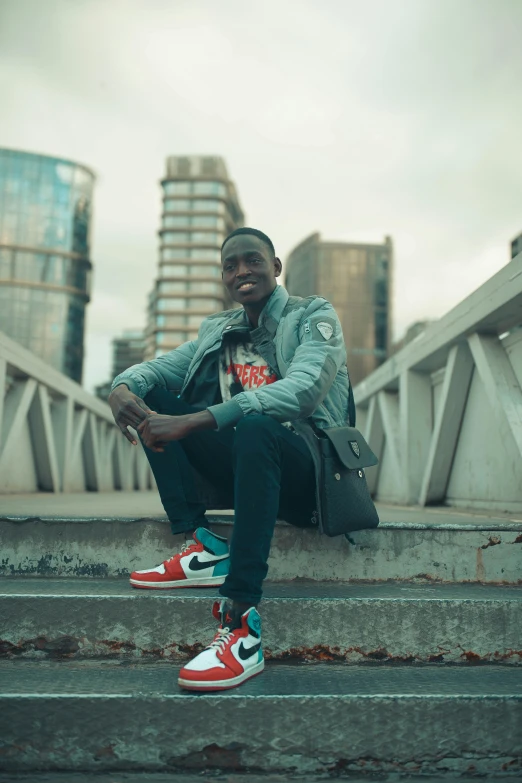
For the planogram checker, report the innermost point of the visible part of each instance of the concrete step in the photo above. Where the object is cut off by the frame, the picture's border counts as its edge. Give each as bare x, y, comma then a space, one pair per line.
310, 718
444, 546
235, 777
373, 622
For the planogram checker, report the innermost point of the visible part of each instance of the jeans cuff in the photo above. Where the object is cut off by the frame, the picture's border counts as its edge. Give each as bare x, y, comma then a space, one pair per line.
238, 595
182, 526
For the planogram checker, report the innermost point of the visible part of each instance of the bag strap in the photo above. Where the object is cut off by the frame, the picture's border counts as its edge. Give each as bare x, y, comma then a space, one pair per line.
351, 406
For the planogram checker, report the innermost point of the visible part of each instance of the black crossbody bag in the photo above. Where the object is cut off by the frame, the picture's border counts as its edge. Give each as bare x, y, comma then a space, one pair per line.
340, 454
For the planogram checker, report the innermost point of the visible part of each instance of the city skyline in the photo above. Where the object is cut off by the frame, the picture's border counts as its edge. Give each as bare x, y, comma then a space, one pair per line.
389, 118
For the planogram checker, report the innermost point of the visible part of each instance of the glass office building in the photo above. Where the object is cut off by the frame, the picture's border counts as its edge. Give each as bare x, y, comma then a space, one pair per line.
357, 280
45, 267
200, 207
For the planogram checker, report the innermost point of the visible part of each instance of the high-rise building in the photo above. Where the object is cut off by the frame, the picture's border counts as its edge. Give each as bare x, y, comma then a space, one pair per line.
45, 266
200, 207
127, 350
516, 246
356, 278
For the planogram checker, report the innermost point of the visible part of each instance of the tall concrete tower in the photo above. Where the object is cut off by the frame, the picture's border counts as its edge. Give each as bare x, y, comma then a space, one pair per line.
200, 207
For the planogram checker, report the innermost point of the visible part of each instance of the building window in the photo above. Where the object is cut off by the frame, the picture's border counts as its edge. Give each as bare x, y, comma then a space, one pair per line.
205, 237
172, 221
210, 189
168, 253
208, 205
175, 237
171, 304
177, 188
172, 287
177, 205
205, 254
174, 270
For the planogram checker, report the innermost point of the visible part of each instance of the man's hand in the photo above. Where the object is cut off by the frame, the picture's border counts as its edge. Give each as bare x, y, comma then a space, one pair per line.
157, 429
128, 410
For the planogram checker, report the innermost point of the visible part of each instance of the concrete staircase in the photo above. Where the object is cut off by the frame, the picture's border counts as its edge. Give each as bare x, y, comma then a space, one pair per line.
394, 654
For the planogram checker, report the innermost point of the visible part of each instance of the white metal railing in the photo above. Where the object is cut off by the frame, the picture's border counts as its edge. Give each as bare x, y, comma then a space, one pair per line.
55, 436
444, 414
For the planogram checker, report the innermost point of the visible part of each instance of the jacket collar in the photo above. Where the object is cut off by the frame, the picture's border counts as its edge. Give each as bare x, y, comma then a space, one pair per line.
271, 313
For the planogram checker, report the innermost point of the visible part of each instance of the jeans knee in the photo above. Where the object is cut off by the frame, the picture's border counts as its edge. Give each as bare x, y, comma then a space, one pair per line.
255, 426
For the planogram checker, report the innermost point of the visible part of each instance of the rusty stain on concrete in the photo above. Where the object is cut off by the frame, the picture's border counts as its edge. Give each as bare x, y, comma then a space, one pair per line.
68, 647
470, 656
492, 541
214, 756
106, 752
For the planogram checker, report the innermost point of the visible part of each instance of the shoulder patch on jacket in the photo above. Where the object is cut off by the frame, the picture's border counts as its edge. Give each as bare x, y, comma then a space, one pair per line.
323, 328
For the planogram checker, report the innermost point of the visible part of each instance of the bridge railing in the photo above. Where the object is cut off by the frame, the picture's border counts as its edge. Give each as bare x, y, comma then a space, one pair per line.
444, 414
55, 436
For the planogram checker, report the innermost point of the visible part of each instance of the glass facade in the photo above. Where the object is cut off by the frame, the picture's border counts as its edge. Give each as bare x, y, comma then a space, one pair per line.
200, 207
45, 267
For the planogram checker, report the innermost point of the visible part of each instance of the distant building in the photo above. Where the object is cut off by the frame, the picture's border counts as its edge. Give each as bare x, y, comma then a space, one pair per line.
200, 207
516, 246
356, 278
127, 350
413, 331
45, 265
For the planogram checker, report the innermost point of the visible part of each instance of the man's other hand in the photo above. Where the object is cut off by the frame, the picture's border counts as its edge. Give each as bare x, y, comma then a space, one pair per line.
128, 410
157, 429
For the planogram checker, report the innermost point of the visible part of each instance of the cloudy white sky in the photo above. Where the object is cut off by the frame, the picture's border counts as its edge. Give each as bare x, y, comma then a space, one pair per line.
355, 119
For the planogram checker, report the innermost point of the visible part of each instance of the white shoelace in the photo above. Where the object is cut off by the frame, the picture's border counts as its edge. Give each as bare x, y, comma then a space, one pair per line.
184, 548
222, 638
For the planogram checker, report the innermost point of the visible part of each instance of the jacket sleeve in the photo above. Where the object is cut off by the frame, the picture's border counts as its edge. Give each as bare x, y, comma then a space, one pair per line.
167, 371
319, 356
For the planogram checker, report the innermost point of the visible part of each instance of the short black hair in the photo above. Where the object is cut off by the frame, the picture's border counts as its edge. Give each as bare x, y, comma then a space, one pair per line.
255, 232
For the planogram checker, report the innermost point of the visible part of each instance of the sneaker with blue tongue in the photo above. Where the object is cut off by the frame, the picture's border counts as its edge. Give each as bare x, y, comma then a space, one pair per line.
204, 563
234, 656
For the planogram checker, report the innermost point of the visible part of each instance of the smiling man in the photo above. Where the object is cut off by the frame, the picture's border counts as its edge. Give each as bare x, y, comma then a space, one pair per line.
223, 405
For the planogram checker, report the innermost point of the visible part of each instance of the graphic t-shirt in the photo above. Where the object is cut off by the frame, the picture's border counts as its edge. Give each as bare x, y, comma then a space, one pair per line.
242, 366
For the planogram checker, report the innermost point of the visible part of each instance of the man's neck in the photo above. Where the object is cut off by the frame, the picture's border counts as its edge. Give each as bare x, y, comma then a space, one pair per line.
254, 310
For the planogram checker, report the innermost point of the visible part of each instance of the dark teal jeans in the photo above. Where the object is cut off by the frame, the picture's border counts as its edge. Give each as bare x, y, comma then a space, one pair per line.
261, 469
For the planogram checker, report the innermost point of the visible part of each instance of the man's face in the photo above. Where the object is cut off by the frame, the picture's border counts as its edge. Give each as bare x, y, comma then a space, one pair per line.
249, 270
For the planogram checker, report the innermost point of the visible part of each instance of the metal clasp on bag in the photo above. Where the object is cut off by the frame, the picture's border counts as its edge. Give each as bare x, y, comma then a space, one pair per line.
315, 519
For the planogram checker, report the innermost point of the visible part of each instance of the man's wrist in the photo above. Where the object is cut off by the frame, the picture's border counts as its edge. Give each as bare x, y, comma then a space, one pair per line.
202, 420
120, 387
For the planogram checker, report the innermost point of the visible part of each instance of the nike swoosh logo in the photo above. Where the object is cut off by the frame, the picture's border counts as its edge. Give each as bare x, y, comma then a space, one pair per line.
246, 653
200, 565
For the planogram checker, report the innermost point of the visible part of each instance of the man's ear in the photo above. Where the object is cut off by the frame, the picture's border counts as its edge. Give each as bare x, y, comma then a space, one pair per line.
278, 266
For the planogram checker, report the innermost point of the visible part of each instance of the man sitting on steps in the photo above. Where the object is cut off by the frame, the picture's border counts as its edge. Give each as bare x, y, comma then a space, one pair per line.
222, 405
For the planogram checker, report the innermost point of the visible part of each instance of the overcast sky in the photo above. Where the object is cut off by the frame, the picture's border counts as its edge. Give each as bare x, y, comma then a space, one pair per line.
356, 119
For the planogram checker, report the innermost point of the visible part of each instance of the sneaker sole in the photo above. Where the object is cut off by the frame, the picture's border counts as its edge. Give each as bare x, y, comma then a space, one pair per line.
222, 685
209, 581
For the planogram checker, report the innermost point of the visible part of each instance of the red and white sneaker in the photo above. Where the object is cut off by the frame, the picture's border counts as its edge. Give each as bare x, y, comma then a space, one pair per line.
205, 563
233, 657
